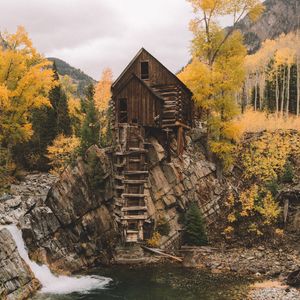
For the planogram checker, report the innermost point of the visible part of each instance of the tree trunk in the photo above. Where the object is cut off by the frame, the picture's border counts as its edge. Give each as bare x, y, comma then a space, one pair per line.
288, 91
255, 93
277, 93
282, 92
298, 84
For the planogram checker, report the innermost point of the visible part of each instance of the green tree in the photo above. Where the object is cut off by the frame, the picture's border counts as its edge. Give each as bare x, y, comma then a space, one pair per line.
194, 227
91, 125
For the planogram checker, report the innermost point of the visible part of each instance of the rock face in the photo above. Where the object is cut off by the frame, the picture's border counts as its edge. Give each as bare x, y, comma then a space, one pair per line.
75, 228
16, 279
23, 197
174, 185
280, 16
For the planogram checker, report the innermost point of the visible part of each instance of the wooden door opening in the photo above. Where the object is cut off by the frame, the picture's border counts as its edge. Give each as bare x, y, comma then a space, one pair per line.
123, 111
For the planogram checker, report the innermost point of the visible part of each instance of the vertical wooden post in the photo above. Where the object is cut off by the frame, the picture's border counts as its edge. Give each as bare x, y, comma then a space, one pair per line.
180, 141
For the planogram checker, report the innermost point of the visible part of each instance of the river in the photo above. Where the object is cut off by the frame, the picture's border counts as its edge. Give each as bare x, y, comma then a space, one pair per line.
162, 282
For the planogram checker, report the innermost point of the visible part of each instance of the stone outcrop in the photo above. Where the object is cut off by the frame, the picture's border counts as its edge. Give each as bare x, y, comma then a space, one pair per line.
16, 279
75, 228
280, 16
174, 185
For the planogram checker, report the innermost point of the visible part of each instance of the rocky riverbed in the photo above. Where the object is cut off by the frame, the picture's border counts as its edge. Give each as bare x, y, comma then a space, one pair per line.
260, 261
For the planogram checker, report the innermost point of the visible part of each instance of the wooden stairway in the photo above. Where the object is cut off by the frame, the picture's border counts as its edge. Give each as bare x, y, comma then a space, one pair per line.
172, 109
131, 176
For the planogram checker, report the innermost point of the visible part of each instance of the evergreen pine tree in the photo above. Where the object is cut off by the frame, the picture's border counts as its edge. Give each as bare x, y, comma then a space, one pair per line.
63, 116
194, 231
91, 125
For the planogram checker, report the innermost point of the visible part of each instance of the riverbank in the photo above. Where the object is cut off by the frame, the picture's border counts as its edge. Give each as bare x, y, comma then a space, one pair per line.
267, 266
274, 290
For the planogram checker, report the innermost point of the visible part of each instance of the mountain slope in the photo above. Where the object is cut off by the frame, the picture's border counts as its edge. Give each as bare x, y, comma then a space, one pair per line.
81, 79
280, 16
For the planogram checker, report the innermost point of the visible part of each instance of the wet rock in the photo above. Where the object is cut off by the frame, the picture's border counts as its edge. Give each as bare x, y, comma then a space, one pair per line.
75, 229
16, 279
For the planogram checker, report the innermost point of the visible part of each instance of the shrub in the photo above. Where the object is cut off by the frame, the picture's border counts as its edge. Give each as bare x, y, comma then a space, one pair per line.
288, 173
163, 227
195, 233
95, 172
155, 240
62, 152
273, 187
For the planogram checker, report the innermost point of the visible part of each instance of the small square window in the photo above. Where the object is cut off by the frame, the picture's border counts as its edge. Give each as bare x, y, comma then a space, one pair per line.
144, 70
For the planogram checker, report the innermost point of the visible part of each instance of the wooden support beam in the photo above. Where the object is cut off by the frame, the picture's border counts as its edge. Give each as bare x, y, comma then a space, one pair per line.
178, 123
134, 217
128, 181
136, 172
134, 195
134, 208
180, 141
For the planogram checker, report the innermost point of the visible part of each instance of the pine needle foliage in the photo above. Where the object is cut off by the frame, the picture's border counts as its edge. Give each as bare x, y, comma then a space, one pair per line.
195, 233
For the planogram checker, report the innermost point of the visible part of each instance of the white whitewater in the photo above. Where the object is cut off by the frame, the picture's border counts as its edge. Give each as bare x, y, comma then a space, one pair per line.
56, 284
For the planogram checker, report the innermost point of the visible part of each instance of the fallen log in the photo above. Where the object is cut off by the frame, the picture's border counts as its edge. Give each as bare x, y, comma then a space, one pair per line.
159, 252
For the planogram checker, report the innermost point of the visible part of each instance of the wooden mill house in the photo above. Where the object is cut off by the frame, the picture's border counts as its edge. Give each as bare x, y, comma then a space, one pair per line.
147, 100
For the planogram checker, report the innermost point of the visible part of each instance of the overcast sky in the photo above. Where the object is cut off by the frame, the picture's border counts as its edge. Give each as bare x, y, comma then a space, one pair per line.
94, 34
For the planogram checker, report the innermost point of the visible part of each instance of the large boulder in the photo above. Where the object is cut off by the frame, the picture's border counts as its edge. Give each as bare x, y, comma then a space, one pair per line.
16, 279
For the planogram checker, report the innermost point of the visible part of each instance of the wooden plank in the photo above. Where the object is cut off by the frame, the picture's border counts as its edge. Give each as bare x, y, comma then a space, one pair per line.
134, 208
128, 181
134, 217
136, 172
178, 123
133, 195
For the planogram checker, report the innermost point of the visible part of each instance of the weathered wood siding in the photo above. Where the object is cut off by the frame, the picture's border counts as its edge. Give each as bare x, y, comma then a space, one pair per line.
142, 105
157, 73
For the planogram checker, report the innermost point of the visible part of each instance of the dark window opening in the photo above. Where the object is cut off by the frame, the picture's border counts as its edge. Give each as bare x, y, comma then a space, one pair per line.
132, 226
144, 70
123, 116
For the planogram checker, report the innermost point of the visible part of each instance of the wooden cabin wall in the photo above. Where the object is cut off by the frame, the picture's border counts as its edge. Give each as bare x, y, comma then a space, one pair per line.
158, 75
142, 105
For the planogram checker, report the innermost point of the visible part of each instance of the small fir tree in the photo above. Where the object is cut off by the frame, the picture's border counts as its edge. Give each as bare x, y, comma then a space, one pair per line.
91, 126
195, 231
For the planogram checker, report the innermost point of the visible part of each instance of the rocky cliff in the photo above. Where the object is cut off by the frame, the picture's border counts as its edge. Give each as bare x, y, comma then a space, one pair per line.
75, 228
16, 279
280, 16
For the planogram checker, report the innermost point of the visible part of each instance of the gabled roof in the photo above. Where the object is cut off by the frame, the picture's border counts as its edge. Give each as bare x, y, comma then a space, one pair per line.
135, 58
133, 76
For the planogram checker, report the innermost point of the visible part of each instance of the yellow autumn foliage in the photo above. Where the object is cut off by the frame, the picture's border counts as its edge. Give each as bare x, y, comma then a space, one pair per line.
255, 209
216, 72
154, 241
62, 152
25, 81
265, 157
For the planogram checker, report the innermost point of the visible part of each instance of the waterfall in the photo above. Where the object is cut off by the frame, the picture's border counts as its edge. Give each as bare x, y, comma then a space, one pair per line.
50, 282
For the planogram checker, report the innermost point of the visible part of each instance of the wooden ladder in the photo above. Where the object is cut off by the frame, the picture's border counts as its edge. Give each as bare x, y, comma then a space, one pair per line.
131, 176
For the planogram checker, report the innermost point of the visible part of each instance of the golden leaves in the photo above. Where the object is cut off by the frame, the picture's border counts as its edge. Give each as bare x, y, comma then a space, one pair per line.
266, 157
62, 152
25, 81
102, 90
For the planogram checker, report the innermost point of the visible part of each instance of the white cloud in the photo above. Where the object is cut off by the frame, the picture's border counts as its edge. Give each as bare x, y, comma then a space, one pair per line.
94, 34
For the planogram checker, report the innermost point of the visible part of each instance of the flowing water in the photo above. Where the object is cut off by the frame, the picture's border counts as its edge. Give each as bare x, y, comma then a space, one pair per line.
50, 282
162, 282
